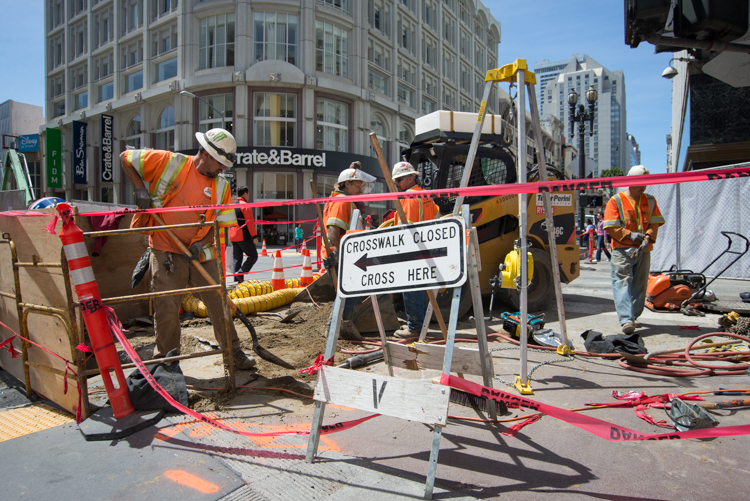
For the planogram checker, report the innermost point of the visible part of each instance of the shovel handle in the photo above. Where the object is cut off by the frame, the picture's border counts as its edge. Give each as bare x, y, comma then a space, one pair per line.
210, 280
402, 216
324, 234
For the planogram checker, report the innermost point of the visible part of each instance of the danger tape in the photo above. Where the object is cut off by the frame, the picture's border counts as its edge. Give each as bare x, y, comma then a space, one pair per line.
732, 172
598, 427
117, 331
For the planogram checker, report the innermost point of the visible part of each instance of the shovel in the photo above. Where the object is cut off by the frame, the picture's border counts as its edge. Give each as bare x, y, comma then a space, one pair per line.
257, 348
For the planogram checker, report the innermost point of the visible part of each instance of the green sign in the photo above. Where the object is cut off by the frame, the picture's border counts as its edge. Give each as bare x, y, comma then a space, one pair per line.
54, 158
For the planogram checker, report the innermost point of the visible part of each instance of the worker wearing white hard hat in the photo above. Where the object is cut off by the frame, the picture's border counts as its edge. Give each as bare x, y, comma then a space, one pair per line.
337, 215
178, 180
632, 218
416, 209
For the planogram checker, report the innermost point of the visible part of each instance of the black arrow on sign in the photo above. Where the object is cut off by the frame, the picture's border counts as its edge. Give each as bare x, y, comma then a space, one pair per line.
364, 261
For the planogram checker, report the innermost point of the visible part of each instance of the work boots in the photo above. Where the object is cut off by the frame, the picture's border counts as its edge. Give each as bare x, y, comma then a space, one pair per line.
242, 361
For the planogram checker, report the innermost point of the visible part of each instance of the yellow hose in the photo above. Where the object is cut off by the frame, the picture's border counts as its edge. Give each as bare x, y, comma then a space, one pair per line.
247, 305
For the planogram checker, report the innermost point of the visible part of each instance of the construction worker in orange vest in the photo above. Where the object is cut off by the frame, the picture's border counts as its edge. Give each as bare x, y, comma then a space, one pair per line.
632, 218
416, 209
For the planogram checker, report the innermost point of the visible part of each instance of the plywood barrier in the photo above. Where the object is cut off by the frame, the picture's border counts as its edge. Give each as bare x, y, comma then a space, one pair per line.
45, 286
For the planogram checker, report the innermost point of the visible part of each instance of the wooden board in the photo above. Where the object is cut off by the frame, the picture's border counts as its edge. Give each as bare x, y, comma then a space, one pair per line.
430, 356
419, 401
46, 287
727, 306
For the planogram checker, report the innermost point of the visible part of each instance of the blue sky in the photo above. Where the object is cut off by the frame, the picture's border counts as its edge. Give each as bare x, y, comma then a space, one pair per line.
531, 30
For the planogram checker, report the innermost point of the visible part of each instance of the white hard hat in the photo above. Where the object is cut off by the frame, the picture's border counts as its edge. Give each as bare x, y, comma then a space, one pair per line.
402, 169
638, 170
220, 144
358, 175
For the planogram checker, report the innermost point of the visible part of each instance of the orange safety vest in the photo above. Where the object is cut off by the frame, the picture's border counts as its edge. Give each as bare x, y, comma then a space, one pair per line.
620, 213
419, 209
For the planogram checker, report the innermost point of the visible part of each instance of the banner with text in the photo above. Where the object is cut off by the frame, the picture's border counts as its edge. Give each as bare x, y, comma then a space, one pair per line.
53, 163
79, 153
107, 146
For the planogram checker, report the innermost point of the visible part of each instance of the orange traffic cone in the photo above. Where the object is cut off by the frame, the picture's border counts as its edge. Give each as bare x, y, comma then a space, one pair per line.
306, 278
263, 250
304, 245
277, 276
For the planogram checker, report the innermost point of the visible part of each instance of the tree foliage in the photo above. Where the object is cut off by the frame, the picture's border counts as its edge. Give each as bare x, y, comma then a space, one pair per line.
612, 172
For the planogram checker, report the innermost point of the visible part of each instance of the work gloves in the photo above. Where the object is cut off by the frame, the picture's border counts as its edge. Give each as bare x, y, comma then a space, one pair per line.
332, 261
195, 251
637, 237
142, 198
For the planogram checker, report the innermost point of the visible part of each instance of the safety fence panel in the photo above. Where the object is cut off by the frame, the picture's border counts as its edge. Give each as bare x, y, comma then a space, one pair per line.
696, 214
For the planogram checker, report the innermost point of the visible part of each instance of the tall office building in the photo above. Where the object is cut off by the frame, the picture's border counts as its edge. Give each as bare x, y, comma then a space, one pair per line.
301, 83
609, 145
635, 153
546, 71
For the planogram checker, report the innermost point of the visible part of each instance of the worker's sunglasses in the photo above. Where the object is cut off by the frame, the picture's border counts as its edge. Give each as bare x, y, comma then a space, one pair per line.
229, 156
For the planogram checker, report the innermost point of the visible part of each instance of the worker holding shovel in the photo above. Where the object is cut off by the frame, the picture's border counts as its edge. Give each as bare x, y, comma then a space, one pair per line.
178, 180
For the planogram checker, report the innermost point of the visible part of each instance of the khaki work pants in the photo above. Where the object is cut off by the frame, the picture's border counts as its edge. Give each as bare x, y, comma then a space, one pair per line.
167, 309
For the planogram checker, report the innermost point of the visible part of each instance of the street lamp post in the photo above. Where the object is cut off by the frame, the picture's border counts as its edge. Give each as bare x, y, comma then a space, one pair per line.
223, 118
582, 116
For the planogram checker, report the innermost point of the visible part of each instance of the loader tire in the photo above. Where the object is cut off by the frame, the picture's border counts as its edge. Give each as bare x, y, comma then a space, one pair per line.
445, 296
540, 292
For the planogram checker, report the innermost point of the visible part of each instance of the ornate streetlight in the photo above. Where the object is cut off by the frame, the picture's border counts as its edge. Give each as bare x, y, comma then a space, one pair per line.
582, 116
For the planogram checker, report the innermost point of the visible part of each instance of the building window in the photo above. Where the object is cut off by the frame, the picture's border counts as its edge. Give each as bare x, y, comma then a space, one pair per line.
325, 185
465, 45
379, 82
428, 105
379, 54
161, 8
77, 40
103, 65
430, 14
378, 127
56, 85
216, 41
405, 136
479, 58
77, 6
166, 70
57, 13
81, 100
105, 91
164, 40
430, 51
430, 84
449, 97
275, 36
133, 134
275, 120
131, 54
102, 27
405, 96
449, 30
165, 132
332, 125
466, 74
133, 81
379, 16
449, 66
275, 186
131, 15
342, 5
58, 109
209, 118
407, 71
332, 49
